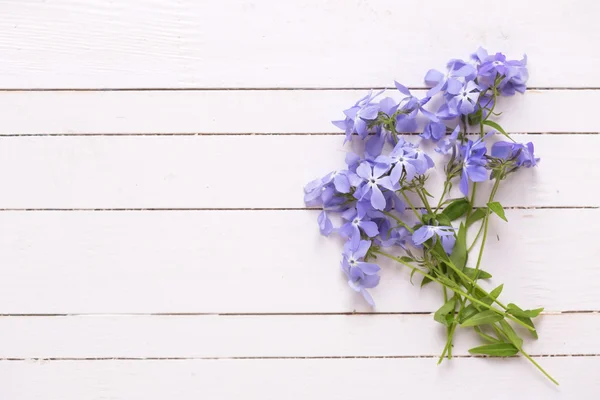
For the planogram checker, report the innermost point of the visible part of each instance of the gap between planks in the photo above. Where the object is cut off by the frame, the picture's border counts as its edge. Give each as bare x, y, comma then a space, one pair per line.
264, 209
300, 314
239, 134
427, 356
224, 89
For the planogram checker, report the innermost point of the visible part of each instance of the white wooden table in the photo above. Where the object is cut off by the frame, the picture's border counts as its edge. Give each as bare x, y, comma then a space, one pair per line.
153, 239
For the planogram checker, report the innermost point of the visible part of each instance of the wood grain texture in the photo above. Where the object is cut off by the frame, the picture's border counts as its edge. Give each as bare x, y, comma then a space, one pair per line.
256, 111
242, 171
298, 379
212, 336
308, 43
263, 262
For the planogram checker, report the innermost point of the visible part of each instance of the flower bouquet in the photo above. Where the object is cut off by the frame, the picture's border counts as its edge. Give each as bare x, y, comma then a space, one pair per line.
385, 209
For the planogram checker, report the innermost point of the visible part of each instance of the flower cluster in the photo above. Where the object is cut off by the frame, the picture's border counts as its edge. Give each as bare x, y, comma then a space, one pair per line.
379, 202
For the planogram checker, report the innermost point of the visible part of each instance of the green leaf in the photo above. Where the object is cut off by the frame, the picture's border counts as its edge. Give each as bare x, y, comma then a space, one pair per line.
439, 251
511, 334
481, 274
529, 322
457, 209
493, 295
497, 209
459, 253
521, 315
467, 313
496, 350
411, 276
443, 220
498, 128
517, 312
482, 318
485, 336
407, 259
443, 314
425, 281
426, 192
475, 118
447, 281
476, 216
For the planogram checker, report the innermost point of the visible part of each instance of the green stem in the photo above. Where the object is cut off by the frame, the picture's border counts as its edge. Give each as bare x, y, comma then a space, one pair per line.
501, 331
423, 198
456, 290
398, 220
443, 194
538, 366
411, 205
485, 228
476, 237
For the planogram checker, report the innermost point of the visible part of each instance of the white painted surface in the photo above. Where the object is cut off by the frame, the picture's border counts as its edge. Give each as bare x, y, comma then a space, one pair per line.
144, 287
302, 43
297, 379
254, 111
227, 336
261, 262
243, 171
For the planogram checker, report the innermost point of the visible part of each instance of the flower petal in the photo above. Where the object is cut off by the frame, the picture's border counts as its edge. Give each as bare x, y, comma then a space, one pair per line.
368, 268
370, 228
377, 198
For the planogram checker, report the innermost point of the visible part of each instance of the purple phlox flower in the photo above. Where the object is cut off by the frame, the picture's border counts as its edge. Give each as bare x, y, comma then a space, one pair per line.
490, 66
521, 153
325, 225
361, 275
353, 160
422, 158
474, 161
323, 191
388, 106
400, 159
410, 107
393, 202
446, 145
373, 181
397, 236
426, 232
357, 117
374, 145
434, 131
465, 101
358, 221
458, 73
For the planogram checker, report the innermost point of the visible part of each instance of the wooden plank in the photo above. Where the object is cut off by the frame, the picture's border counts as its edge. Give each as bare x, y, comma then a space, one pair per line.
212, 336
243, 171
298, 379
308, 43
254, 111
264, 262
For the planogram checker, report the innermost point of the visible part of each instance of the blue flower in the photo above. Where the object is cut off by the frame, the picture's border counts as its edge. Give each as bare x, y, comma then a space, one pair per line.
447, 144
358, 221
434, 131
325, 225
373, 180
489, 67
361, 275
458, 73
407, 158
358, 116
474, 162
465, 100
426, 232
522, 154
410, 107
